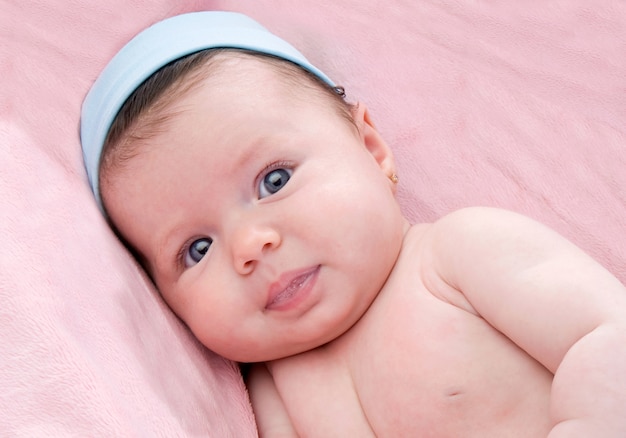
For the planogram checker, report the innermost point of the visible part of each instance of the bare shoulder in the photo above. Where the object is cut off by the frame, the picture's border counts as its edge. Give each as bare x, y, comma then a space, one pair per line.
482, 233
473, 235
487, 219
485, 246
475, 224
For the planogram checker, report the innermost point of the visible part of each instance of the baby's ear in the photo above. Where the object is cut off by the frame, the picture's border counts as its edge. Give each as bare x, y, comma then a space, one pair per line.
372, 139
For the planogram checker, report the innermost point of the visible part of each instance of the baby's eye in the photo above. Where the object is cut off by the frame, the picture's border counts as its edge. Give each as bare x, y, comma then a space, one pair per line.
274, 181
196, 251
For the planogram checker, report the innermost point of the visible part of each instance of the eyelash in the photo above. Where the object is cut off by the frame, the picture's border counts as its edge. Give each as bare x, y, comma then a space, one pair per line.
182, 253
268, 168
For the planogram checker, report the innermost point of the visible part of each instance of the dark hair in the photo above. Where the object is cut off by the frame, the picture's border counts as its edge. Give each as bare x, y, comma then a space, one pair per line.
145, 106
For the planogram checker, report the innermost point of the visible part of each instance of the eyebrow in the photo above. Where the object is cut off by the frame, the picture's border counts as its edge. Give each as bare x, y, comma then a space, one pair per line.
248, 151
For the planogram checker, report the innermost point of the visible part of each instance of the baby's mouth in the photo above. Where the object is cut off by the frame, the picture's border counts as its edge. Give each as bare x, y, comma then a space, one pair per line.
289, 286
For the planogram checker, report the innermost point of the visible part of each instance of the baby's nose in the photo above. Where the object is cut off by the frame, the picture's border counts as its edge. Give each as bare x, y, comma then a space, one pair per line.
250, 244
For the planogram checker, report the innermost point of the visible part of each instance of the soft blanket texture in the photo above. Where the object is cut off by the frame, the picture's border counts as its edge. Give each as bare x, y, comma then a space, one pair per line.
514, 104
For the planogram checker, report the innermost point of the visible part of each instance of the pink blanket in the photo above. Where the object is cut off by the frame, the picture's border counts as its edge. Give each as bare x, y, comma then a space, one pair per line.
485, 103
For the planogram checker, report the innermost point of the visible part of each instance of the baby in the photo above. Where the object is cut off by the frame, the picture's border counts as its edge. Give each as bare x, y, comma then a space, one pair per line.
262, 206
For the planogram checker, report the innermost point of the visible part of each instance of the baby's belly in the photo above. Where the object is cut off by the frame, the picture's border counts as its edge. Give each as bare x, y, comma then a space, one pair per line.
460, 378
427, 369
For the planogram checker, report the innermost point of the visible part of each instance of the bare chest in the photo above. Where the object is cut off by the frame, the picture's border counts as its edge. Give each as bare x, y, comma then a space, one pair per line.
416, 366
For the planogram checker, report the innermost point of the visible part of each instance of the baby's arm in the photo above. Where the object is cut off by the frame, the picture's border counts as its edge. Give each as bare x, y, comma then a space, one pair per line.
551, 299
271, 416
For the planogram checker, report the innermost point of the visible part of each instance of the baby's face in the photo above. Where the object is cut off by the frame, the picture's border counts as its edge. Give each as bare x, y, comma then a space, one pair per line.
267, 222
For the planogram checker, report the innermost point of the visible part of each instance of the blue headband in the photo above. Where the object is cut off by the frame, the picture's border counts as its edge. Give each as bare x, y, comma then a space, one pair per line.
157, 46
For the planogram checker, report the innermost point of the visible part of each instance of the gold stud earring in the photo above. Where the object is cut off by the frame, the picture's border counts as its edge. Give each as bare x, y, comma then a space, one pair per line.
393, 178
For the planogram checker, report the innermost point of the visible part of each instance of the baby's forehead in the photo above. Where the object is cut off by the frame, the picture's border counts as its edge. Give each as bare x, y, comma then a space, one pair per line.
234, 65
245, 76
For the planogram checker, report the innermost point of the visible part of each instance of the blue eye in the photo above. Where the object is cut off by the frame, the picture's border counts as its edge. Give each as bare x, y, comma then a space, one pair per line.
197, 250
273, 182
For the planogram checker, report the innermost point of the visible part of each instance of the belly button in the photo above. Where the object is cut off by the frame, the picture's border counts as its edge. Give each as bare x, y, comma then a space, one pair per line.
454, 393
